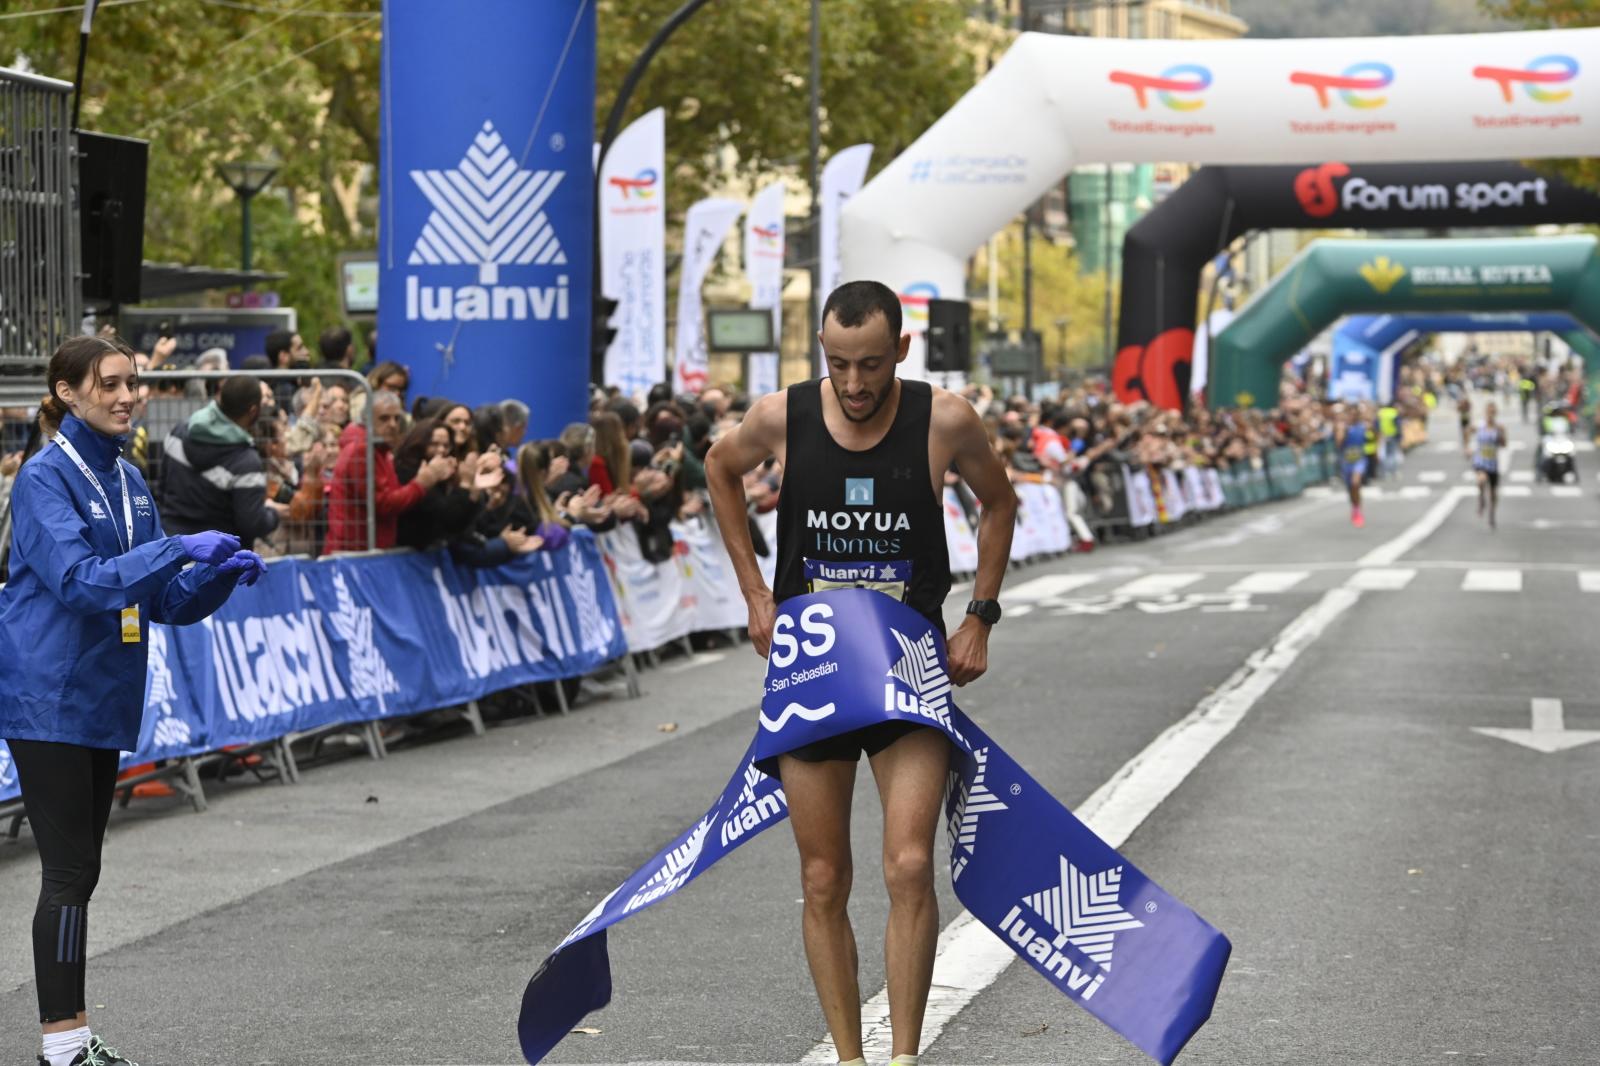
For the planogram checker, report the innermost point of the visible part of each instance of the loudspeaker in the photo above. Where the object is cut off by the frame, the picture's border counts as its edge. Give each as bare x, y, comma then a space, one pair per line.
111, 183
949, 335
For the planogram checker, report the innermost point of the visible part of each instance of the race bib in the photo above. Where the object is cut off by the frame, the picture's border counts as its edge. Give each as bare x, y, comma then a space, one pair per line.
890, 578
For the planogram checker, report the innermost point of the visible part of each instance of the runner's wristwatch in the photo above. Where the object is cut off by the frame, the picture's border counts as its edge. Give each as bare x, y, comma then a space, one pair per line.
988, 611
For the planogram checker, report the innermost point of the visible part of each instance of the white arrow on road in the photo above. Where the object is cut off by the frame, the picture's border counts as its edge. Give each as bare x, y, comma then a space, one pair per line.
1549, 732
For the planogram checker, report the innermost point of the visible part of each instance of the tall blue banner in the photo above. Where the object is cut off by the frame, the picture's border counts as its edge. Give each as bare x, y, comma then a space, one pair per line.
486, 234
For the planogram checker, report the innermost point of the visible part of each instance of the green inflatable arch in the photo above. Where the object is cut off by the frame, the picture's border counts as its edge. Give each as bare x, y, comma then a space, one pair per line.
1333, 277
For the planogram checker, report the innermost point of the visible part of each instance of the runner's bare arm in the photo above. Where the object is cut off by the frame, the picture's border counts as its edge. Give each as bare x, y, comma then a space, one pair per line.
762, 433
955, 422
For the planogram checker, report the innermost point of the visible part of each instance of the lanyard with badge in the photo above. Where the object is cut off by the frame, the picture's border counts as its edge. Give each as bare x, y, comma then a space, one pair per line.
130, 614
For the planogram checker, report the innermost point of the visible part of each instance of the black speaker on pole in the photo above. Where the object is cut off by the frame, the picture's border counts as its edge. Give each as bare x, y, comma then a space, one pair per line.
949, 335
111, 183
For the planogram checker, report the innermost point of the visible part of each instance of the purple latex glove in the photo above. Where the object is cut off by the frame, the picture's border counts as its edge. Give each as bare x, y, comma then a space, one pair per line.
210, 547
555, 535
247, 564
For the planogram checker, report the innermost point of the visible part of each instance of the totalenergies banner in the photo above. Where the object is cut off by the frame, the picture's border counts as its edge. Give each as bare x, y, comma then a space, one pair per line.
487, 200
1054, 102
633, 253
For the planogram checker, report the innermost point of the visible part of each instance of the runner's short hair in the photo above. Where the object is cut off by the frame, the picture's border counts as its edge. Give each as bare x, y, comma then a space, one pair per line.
852, 303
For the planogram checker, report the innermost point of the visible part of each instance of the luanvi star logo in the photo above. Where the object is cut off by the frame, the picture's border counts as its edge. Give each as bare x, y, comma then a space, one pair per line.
1382, 274
487, 212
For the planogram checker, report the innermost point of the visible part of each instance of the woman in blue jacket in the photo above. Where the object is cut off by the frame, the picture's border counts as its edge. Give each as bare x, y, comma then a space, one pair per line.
90, 570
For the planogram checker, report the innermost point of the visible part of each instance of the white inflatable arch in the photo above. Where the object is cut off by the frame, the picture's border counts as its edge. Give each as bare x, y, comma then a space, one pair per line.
1055, 102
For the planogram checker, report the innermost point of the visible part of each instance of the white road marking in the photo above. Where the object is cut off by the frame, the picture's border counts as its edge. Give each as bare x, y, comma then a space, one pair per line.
1319, 492
1549, 731
1047, 587
1379, 580
1268, 581
1424, 527
1522, 477
1157, 584
1446, 446
1492, 581
1432, 477
970, 957
1517, 491
1566, 492
1583, 445
1589, 580
1415, 492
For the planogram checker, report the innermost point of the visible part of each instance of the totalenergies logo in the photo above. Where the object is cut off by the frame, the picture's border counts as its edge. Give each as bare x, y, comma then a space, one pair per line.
1185, 78
914, 302
642, 185
767, 235
1357, 76
1534, 78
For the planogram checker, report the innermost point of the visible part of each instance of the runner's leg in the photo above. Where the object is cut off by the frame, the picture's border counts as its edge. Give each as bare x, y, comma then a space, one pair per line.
819, 795
911, 776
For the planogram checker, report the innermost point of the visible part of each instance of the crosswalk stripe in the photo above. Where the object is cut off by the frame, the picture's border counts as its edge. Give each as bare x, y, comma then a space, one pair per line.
1377, 579
1492, 581
1446, 446
1584, 445
1589, 580
1043, 588
1264, 581
1566, 492
1415, 492
1516, 490
1432, 477
1522, 477
1157, 584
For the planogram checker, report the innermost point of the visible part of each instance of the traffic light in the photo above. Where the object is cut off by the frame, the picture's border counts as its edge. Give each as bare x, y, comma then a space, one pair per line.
603, 331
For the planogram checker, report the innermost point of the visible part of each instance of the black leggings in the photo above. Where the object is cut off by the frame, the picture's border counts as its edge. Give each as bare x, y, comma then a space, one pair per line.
67, 791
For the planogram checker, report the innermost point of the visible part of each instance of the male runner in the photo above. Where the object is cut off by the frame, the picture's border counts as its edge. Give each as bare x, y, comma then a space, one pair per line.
1350, 438
1487, 442
867, 444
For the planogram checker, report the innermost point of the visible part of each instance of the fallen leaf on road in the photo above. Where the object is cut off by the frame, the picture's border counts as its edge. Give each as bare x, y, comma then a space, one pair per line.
587, 1030
1414, 871
667, 727
1043, 1027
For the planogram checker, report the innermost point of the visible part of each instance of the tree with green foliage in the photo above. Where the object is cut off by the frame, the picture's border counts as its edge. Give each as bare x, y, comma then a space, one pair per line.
295, 81
1060, 291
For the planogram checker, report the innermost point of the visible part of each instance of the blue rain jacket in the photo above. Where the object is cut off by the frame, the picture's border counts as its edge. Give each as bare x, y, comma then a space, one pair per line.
65, 673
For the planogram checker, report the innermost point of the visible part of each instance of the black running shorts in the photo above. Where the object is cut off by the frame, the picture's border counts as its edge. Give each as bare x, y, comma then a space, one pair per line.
848, 747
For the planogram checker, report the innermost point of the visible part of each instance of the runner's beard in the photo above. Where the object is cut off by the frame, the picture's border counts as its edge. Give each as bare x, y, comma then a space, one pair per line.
880, 399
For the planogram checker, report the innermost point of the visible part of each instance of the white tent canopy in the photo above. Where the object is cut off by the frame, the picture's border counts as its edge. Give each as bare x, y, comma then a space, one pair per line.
1055, 102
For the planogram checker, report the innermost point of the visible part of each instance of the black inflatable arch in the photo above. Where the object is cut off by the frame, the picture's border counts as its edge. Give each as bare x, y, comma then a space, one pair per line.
1165, 252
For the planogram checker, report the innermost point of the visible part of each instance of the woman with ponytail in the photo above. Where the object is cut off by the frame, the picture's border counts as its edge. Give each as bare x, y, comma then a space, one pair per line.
90, 570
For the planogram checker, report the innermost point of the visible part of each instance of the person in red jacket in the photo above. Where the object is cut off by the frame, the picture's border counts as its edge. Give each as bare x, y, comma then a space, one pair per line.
347, 492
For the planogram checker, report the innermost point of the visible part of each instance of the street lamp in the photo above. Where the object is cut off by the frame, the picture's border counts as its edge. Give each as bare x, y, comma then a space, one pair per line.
246, 179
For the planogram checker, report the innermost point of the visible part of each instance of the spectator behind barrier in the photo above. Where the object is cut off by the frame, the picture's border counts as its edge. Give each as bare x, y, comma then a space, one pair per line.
447, 511
347, 499
486, 426
513, 425
213, 476
392, 376
338, 348
577, 441
612, 465
457, 418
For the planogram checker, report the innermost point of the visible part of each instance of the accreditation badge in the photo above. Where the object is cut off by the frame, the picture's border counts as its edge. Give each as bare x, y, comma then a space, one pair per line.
130, 624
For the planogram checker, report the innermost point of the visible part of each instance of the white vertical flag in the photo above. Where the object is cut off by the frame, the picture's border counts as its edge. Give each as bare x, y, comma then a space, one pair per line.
633, 249
705, 227
841, 179
763, 262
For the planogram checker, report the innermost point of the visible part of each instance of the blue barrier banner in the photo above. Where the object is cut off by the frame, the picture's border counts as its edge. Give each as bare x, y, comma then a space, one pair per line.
315, 644
487, 194
1085, 918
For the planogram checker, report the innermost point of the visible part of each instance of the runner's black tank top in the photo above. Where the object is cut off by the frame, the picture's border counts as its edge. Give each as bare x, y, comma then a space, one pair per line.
867, 519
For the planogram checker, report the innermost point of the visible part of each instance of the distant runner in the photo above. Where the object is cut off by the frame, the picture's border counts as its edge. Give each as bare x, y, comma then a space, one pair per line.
1487, 442
1350, 437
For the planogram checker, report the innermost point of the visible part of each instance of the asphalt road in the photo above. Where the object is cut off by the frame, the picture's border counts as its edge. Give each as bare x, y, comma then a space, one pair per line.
1398, 887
